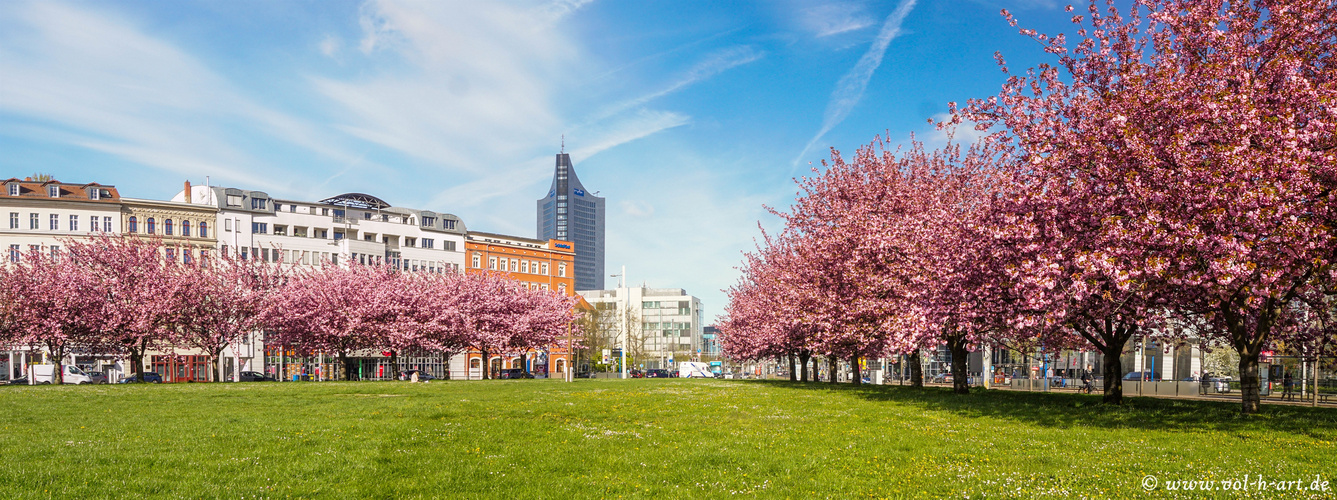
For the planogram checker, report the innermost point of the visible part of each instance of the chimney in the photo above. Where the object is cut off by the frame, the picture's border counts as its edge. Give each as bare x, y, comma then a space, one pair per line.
187, 191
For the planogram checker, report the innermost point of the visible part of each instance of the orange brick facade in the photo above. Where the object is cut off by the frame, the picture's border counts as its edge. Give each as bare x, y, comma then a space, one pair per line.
538, 264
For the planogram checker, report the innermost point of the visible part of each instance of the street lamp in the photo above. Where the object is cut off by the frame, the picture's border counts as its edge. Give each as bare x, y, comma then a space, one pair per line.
621, 282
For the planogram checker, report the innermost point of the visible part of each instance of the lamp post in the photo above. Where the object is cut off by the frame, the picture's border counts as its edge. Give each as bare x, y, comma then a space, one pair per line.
626, 328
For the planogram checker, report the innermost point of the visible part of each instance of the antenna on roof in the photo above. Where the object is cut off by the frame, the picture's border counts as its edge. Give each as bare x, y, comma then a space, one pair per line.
563, 143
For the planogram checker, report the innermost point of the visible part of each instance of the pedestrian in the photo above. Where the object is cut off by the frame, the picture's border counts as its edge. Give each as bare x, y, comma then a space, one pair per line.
1288, 386
1086, 381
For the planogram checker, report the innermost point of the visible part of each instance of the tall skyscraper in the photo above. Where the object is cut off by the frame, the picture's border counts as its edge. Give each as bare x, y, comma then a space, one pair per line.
572, 214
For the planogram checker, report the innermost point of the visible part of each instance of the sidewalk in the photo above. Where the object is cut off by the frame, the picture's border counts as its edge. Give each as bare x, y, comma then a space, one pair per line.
1130, 391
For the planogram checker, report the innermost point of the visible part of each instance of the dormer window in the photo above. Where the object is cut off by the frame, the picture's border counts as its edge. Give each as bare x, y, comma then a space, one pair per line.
53, 191
94, 194
13, 189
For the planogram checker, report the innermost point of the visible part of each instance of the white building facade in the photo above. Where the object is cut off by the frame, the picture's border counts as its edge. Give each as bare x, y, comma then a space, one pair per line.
666, 323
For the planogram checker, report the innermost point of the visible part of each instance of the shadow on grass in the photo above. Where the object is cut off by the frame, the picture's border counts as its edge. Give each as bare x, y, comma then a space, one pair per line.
1066, 410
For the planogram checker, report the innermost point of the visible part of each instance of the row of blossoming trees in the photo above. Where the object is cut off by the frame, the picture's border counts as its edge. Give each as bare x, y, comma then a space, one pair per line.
119, 295
1171, 175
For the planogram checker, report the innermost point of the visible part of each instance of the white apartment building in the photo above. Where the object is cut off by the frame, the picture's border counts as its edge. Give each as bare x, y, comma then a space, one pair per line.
39, 215
667, 322
351, 227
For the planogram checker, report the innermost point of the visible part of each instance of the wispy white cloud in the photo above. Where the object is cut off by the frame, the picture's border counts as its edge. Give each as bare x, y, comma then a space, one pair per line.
330, 45
849, 90
119, 91
834, 18
713, 64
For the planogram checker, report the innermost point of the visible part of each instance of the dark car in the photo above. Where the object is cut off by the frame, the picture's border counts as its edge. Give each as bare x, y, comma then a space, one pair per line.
254, 377
19, 381
1144, 376
634, 373
98, 377
657, 374
584, 374
149, 377
514, 373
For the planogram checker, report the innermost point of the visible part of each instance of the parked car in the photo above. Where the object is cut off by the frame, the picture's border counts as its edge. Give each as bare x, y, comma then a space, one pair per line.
942, 378
1217, 384
634, 373
657, 374
584, 374
1145, 376
254, 377
46, 374
19, 381
514, 373
98, 377
149, 377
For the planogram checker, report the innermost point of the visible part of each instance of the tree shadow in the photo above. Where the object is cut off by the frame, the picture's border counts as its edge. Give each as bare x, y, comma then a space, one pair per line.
1069, 410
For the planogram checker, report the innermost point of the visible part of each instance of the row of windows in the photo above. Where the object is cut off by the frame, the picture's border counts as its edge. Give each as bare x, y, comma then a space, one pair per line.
517, 265
54, 191
187, 255
35, 222
168, 228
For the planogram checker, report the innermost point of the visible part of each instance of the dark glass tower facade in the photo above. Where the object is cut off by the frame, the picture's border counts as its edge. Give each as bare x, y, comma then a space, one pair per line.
572, 214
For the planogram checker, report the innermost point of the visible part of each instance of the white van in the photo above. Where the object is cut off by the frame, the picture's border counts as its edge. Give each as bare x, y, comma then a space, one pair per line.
694, 369
46, 374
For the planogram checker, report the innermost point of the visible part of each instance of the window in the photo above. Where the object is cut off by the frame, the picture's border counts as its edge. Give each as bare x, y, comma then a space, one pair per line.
227, 224
477, 261
545, 269
280, 230
428, 243
260, 227
258, 203
185, 228
13, 220
167, 227
204, 229
55, 222
74, 223
561, 270
134, 223
171, 254
13, 252
278, 207
55, 252
233, 200
449, 246
338, 236
562, 287
53, 191
33, 221
429, 221
366, 215
185, 254
515, 266
524, 267
492, 263
94, 194
14, 190
106, 224
151, 226
244, 255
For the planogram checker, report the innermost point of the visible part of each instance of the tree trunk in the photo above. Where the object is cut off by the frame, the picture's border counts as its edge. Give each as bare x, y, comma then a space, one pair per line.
523, 365
960, 356
803, 358
916, 370
487, 364
793, 369
343, 360
833, 361
1112, 366
1249, 381
856, 378
137, 363
394, 363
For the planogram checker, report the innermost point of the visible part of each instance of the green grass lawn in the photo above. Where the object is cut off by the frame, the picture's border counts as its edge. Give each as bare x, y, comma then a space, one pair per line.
640, 438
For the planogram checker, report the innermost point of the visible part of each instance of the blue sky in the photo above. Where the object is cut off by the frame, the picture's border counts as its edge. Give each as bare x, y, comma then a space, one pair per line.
687, 116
